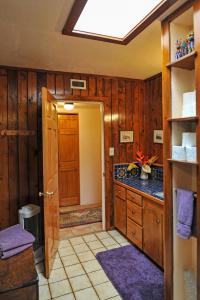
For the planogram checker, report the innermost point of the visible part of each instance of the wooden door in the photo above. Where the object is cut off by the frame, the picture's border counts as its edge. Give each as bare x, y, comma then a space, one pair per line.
50, 177
153, 231
68, 141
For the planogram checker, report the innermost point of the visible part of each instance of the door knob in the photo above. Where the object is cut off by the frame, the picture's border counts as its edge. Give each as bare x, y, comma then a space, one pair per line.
46, 194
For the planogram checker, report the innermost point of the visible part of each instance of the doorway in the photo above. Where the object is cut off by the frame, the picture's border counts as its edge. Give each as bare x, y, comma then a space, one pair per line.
81, 164
68, 160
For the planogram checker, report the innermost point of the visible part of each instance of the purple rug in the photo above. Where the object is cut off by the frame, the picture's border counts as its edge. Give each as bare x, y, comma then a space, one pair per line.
134, 276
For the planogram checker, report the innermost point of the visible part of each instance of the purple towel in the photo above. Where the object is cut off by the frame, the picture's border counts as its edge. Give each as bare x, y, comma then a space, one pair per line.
185, 207
14, 237
12, 252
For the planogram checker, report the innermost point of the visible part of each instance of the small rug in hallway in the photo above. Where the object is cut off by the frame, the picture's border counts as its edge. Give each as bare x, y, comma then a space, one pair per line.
134, 276
80, 216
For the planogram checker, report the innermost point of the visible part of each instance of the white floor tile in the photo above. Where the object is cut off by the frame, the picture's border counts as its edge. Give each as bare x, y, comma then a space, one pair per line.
63, 244
89, 238
42, 279
125, 244
113, 232
86, 294
108, 242
113, 246
70, 260
60, 288
57, 264
66, 251
91, 266
57, 275
86, 256
44, 293
81, 248
106, 290
74, 270
65, 297
76, 240
120, 239
95, 251
98, 277
102, 235
95, 245
79, 282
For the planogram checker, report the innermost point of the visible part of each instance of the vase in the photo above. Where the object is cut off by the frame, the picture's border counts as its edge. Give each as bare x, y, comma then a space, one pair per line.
143, 175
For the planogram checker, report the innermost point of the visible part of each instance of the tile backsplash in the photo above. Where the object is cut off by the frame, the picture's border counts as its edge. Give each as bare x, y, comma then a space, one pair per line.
120, 172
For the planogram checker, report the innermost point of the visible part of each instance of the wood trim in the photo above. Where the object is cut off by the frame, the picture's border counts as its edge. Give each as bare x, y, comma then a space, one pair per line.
71, 74
77, 98
179, 11
75, 13
79, 6
196, 8
17, 132
185, 62
185, 162
168, 214
108, 161
154, 76
188, 119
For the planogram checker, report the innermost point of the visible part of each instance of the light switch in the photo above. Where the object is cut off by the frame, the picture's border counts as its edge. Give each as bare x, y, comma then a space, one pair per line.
111, 151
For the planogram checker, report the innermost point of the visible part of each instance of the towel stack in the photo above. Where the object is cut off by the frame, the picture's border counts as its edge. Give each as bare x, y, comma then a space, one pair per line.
14, 240
185, 213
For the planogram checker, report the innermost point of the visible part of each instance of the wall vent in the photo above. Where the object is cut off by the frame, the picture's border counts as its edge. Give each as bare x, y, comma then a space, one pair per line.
78, 84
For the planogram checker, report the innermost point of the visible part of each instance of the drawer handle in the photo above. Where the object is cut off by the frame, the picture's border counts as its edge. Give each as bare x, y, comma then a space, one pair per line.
133, 212
158, 221
133, 233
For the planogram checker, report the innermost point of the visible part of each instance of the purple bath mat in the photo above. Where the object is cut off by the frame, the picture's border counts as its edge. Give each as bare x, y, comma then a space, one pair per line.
134, 276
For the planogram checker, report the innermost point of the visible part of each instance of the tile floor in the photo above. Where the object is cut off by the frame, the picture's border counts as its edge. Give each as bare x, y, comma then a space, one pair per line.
76, 272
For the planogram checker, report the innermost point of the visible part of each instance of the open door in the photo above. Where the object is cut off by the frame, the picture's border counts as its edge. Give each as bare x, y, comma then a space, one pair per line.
50, 178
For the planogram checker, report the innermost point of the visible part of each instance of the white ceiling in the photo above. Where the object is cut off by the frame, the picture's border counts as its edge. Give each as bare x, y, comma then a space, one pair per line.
31, 35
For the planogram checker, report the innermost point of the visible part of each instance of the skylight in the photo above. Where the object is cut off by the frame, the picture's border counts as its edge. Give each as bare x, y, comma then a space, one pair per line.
114, 21
113, 18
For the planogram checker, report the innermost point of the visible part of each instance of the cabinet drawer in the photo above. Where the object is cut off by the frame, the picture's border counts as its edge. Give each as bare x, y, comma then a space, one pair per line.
134, 233
120, 191
134, 197
134, 212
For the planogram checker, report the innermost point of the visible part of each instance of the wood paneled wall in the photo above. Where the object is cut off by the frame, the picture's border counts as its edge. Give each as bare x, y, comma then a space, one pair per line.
134, 105
152, 115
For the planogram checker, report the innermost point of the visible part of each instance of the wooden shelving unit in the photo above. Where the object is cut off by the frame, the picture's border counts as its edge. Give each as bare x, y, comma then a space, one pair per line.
182, 161
184, 119
182, 257
185, 62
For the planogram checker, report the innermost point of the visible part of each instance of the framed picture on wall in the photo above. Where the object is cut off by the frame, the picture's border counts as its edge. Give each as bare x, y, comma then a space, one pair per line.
126, 136
158, 136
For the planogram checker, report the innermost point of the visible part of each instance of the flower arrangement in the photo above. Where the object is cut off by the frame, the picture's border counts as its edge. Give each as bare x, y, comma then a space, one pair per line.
144, 163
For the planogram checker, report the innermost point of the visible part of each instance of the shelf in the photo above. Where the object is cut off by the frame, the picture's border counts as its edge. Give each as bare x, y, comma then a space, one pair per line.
185, 62
184, 119
183, 162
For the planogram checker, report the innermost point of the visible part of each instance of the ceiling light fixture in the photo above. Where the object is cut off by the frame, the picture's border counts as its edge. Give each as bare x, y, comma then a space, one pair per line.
69, 105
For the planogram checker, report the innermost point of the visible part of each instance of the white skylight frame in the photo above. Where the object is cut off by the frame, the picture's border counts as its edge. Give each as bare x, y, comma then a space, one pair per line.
97, 17
72, 28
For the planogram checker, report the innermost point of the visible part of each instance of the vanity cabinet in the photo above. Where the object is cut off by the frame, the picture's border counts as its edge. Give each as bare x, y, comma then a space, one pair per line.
153, 228
134, 218
120, 208
141, 220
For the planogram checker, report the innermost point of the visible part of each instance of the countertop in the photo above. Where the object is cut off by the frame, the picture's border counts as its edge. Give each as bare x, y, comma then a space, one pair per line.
152, 187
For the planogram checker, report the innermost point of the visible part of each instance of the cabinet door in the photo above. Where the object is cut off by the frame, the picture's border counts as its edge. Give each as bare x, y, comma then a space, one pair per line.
153, 231
120, 214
